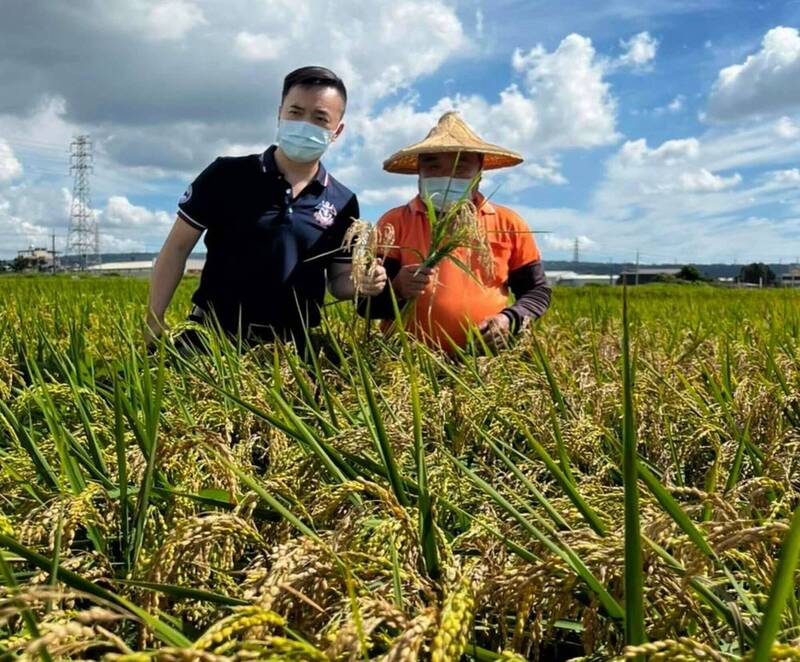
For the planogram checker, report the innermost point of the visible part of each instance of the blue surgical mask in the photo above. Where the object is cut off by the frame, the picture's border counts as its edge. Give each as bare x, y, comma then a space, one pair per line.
439, 188
301, 141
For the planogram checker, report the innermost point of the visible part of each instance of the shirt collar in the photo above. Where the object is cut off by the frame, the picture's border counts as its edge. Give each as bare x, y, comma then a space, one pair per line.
268, 164
483, 205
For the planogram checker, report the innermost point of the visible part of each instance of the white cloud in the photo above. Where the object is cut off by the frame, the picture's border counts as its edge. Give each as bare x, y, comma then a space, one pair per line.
785, 177
786, 128
558, 227
390, 196
750, 145
675, 106
534, 174
561, 243
170, 20
154, 20
31, 213
260, 46
111, 243
241, 149
700, 180
120, 212
636, 152
681, 197
28, 215
562, 102
164, 114
377, 48
212, 83
640, 51
566, 93
704, 181
44, 126
10, 167
218, 77
766, 83
666, 179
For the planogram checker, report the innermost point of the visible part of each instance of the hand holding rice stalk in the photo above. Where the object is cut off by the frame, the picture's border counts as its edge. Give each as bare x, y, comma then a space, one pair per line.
453, 227
366, 242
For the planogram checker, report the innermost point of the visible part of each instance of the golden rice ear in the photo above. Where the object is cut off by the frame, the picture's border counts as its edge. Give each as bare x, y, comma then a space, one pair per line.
467, 220
354, 233
363, 241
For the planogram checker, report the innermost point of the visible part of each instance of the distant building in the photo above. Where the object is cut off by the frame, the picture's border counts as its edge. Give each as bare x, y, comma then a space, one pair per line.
194, 266
791, 278
645, 275
41, 255
131, 268
574, 279
141, 268
733, 281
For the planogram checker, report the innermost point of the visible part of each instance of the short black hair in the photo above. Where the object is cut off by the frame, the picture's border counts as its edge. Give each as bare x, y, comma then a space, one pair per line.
314, 77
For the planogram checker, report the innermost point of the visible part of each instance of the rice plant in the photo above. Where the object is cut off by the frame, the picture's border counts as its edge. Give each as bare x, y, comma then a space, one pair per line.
619, 484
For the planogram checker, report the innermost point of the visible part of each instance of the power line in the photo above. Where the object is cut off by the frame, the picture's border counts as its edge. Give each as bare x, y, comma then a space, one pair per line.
35, 170
38, 144
45, 156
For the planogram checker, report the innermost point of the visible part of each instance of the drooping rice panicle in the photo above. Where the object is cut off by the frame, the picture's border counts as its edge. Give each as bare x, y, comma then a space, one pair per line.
342, 509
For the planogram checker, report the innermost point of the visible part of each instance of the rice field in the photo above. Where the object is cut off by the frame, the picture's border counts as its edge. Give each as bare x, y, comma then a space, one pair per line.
622, 483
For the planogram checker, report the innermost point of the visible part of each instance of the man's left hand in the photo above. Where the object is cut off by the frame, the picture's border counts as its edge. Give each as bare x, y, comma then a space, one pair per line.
496, 330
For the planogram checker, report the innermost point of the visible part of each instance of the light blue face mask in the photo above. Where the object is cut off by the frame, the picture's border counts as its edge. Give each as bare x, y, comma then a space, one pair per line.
302, 141
444, 192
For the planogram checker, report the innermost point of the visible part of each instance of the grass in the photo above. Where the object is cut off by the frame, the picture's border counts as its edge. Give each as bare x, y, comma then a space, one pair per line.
621, 481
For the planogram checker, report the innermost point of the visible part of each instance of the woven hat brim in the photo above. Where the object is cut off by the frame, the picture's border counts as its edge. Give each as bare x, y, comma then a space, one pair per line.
406, 161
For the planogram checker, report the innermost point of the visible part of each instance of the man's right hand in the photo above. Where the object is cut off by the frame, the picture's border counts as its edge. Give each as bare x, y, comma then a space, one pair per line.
412, 280
167, 273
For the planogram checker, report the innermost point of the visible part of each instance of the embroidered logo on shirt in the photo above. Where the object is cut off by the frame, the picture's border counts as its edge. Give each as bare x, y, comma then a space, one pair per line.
186, 195
325, 213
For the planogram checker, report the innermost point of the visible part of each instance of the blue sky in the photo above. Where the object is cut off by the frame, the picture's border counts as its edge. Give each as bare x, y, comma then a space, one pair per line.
671, 128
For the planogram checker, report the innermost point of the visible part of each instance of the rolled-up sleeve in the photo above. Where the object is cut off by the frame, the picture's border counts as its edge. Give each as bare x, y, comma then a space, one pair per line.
200, 205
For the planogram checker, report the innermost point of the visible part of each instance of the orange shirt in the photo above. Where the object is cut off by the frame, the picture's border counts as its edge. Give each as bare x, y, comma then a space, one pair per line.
444, 312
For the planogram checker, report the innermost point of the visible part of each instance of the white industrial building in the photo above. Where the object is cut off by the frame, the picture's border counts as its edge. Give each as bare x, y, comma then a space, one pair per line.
141, 267
791, 278
574, 279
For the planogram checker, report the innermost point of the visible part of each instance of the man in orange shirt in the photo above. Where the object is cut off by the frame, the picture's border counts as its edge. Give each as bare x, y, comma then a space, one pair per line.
449, 301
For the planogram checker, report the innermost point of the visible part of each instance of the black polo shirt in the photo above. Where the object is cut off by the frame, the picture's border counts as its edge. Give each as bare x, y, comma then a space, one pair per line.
267, 252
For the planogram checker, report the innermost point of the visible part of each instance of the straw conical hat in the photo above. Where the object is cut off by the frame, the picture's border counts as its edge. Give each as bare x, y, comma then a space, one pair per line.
450, 135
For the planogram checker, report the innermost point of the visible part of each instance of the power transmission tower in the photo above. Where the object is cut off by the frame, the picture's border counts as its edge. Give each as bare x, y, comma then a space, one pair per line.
83, 240
576, 252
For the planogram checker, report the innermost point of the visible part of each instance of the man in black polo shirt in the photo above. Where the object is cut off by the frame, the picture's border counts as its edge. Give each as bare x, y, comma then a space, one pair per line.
274, 224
